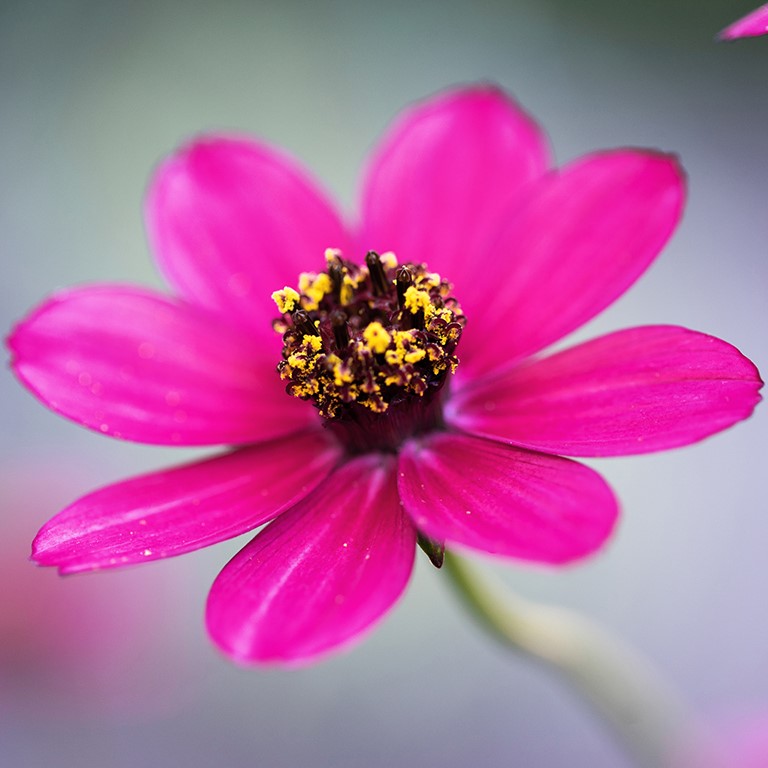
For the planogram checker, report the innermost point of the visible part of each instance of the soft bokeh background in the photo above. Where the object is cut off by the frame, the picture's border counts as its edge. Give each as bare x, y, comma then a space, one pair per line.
92, 94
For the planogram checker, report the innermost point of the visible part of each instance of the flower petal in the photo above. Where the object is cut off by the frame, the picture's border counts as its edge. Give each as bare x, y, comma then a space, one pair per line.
445, 177
505, 500
753, 24
135, 365
232, 220
582, 237
634, 391
320, 575
179, 510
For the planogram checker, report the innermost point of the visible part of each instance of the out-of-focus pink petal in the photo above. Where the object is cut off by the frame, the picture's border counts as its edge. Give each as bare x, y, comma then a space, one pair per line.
634, 391
321, 574
179, 510
504, 500
736, 741
232, 220
753, 24
135, 365
446, 176
579, 241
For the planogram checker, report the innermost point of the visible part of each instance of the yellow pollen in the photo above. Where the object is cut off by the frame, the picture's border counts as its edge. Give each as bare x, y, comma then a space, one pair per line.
372, 346
415, 356
348, 286
416, 299
388, 260
341, 373
315, 342
376, 404
298, 361
377, 339
286, 299
314, 288
305, 388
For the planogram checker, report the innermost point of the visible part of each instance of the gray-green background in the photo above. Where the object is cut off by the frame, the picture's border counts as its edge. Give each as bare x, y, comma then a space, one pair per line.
92, 94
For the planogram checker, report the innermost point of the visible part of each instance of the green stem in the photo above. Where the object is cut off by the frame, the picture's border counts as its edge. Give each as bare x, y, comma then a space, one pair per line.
620, 685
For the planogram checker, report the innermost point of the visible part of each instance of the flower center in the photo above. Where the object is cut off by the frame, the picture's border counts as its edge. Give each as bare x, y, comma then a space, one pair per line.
370, 346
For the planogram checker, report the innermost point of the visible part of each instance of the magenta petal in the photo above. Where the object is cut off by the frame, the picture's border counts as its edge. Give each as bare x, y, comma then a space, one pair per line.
505, 500
753, 24
579, 241
135, 365
320, 575
445, 177
179, 510
233, 220
634, 391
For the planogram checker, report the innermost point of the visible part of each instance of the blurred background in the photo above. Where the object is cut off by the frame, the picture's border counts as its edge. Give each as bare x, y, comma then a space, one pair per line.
115, 669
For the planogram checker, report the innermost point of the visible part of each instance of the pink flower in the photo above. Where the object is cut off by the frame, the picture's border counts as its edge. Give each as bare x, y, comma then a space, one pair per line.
472, 459
752, 25
733, 743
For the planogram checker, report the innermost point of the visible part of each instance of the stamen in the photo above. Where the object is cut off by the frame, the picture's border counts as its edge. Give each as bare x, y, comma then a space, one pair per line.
340, 330
336, 273
303, 323
370, 346
376, 271
404, 279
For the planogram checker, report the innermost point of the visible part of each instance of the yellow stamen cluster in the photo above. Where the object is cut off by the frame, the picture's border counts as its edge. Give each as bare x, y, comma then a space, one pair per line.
370, 335
286, 300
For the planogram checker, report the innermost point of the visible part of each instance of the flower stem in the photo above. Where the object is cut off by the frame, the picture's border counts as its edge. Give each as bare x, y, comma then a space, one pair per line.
622, 687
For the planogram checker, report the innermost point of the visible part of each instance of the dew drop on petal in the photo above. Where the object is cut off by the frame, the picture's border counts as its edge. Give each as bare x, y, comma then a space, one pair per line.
84, 379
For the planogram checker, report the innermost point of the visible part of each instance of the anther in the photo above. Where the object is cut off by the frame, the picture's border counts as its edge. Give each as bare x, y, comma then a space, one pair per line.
376, 271
340, 330
303, 323
404, 279
336, 273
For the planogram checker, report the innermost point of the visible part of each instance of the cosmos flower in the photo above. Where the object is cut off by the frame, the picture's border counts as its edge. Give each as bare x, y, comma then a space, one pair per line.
371, 401
753, 24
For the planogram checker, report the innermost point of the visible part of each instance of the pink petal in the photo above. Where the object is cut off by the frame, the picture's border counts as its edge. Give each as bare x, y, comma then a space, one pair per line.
179, 510
634, 391
753, 24
579, 241
446, 176
505, 500
232, 220
135, 365
321, 574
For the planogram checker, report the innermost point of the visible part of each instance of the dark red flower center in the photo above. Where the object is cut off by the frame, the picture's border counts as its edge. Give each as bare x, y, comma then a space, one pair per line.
370, 346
